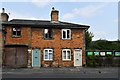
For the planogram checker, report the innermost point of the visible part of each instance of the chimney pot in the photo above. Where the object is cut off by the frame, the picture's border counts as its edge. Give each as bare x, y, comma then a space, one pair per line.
3, 10
53, 8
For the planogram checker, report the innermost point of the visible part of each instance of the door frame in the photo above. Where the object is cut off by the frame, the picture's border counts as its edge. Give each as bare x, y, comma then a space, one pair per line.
39, 58
81, 57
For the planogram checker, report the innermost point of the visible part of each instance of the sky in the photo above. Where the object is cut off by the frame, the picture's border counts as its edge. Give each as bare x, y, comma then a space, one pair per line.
101, 16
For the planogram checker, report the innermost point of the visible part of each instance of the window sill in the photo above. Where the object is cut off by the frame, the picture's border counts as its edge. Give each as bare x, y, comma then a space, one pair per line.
66, 39
16, 36
48, 38
48, 60
66, 60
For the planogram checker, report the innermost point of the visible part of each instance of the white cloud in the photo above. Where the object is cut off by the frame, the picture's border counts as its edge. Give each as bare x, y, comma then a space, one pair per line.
41, 3
87, 11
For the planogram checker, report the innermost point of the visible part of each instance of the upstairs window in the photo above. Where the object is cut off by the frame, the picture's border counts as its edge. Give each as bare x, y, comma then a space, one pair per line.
16, 32
48, 33
66, 34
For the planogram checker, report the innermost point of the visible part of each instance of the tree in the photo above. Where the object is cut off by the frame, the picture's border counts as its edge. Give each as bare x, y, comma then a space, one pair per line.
88, 38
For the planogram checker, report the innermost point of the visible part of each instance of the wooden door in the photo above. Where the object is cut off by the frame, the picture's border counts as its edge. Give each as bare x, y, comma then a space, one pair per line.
16, 56
10, 57
78, 57
21, 57
36, 58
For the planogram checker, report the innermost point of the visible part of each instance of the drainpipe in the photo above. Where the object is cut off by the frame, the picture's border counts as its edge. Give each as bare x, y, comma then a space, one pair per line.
84, 47
29, 49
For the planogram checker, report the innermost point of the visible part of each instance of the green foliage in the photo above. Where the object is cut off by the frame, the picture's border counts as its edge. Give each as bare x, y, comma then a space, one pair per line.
104, 45
88, 38
93, 61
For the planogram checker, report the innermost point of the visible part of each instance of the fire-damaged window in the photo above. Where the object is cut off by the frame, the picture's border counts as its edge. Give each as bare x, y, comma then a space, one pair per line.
66, 54
48, 33
66, 34
16, 32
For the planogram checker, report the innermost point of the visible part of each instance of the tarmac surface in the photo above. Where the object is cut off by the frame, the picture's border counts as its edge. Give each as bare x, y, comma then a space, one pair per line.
72, 72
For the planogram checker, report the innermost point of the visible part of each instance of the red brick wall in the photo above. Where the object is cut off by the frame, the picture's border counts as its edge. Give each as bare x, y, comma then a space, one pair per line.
37, 41
57, 44
24, 39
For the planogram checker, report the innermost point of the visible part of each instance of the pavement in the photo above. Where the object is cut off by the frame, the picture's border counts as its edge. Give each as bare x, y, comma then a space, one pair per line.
71, 72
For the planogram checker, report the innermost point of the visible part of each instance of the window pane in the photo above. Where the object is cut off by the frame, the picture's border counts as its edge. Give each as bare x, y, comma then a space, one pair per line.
68, 34
14, 33
18, 29
50, 51
50, 56
46, 54
14, 29
64, 54
68, 54
45, 31
48, 33
64, 34
18, 33
77, 51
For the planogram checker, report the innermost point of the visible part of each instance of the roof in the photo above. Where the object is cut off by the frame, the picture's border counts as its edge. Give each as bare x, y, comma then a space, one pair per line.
44, 23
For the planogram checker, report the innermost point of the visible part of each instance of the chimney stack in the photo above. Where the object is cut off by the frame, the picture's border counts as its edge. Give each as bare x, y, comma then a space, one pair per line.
4, 16
54, 15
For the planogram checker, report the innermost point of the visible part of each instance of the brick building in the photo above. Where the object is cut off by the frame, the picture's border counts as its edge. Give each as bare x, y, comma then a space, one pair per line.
42, 43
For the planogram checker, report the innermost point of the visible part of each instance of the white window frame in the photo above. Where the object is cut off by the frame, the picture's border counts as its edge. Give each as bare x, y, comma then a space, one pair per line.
66, 55
48, 54
66, 34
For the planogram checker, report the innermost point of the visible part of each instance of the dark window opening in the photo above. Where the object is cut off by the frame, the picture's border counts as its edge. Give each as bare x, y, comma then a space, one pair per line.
64, 34
48, 33
16, 32
68, 34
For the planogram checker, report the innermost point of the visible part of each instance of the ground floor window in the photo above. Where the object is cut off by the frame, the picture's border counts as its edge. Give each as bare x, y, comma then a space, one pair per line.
48, 54
66, 54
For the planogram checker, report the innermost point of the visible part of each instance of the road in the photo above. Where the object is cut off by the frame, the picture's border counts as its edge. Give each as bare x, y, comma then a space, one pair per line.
63, 73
